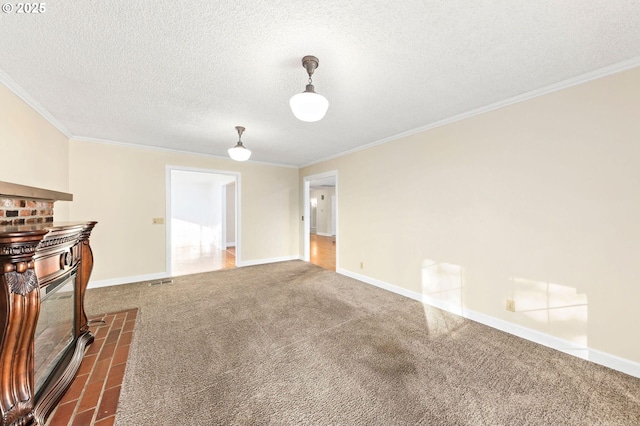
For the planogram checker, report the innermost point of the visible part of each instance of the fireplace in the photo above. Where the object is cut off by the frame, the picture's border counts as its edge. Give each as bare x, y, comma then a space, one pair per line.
44, 271
54, 330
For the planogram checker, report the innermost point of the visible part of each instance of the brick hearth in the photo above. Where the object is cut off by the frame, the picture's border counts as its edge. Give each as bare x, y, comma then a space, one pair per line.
93, 396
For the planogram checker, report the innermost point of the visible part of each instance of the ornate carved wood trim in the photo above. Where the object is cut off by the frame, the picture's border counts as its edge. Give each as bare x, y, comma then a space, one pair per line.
58, 241
32, 257
84, 273
21, 297
49, 401
22, 283
18, 249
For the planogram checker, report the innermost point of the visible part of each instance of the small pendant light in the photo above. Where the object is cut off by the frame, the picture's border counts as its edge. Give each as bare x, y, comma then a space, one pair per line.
309, 105
239, 152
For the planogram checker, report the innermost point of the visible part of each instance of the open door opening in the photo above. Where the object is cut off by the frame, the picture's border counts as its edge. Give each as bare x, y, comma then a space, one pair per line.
321, 209
201, 225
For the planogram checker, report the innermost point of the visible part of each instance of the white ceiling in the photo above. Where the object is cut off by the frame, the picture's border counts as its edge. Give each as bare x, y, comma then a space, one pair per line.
322, 183
182, 74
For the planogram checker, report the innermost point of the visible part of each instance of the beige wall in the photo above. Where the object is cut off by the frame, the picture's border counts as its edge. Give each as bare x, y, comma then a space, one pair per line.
35, 153
123, 188
536, 202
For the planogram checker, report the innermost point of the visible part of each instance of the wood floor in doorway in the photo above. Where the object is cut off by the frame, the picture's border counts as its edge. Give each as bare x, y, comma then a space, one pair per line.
196, 259
323, 251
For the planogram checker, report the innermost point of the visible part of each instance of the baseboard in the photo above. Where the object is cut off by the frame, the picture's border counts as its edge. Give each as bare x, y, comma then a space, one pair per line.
528, 334
620, 364
265, 261
127, 280
598, 357
162, 275
390, 287
231, 244
614, 362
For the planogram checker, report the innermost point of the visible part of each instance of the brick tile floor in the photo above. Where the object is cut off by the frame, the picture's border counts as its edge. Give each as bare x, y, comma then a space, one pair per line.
92, 398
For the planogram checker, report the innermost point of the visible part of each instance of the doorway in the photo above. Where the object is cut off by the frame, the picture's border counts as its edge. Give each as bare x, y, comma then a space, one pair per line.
321, 225
202, 221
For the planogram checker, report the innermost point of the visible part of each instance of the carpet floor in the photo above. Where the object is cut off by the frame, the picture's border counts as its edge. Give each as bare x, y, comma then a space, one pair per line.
292, 343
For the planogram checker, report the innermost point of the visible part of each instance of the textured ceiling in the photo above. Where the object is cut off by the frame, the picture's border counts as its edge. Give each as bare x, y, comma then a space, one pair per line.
182, 74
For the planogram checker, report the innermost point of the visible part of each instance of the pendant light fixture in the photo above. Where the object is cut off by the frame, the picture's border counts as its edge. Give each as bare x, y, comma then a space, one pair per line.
239, 152
309, 105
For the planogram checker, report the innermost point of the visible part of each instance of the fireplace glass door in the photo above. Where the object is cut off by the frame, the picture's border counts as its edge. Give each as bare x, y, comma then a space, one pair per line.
54, 330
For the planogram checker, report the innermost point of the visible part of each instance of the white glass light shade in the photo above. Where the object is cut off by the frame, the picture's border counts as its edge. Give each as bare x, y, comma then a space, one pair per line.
309, 106
239, 152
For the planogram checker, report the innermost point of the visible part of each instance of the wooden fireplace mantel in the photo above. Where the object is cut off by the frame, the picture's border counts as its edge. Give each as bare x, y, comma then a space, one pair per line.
33, 257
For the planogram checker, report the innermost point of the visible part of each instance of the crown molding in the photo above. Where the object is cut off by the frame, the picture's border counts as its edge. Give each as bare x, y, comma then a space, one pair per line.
574, 81
35, 105
565, 84
175, 151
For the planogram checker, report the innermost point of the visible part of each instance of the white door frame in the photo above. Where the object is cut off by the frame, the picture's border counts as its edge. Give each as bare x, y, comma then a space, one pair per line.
168, 170
223, 215
307, 211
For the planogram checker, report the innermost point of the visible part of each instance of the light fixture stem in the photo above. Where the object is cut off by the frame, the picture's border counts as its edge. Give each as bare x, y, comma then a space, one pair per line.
240, 130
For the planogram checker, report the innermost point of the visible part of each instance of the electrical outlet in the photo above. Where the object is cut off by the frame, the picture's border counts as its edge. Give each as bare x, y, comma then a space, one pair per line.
511, 305
158, 220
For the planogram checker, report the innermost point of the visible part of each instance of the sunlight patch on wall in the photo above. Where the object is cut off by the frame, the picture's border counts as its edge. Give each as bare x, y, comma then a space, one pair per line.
442, 285
556, 309
185, 233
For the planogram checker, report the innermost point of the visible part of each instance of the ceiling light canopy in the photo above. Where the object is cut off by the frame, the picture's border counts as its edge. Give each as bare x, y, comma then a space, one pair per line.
309, 105
239, 152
